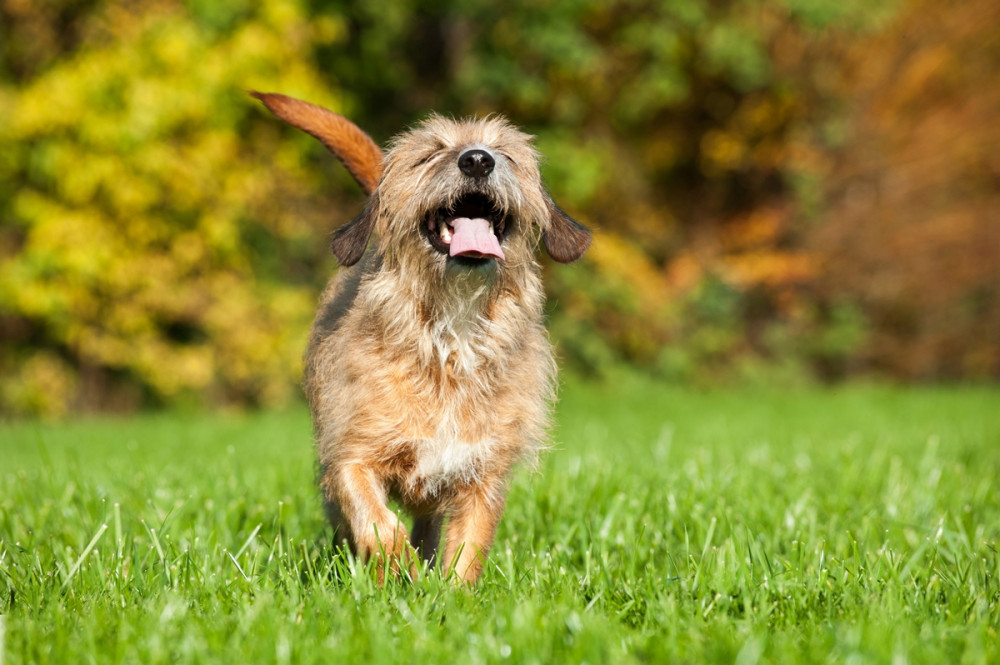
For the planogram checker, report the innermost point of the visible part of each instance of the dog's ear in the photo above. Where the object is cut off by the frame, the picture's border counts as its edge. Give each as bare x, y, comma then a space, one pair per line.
352, 146
566, 239
350, 241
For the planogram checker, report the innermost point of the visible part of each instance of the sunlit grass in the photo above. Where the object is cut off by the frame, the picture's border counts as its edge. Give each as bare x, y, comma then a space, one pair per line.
853, 525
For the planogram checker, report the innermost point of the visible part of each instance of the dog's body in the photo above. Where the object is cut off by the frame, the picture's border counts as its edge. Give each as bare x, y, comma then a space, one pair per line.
429, 372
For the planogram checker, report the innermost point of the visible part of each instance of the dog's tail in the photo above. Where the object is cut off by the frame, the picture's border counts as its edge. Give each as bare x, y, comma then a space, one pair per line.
359, 153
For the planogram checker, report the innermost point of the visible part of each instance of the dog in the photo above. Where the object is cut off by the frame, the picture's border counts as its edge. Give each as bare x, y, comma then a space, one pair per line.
429, 373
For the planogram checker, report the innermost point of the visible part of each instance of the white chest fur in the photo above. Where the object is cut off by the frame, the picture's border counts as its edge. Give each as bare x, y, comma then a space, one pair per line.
446, 460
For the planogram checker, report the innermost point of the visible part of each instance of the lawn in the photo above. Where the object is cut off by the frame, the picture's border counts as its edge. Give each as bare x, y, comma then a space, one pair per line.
849, 525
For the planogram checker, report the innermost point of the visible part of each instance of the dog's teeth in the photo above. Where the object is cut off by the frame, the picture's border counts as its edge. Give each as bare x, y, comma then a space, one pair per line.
445, 234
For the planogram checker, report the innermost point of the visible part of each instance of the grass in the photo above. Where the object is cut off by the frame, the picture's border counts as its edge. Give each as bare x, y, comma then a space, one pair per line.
855, 525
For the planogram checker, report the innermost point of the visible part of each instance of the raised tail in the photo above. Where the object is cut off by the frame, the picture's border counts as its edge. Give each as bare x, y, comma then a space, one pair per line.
359, 153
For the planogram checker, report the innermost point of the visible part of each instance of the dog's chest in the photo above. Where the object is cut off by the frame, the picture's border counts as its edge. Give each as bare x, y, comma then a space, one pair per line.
446, 460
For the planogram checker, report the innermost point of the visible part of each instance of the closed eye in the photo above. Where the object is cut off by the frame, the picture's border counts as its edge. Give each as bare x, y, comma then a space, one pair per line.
508, 158
429, 156
423, 160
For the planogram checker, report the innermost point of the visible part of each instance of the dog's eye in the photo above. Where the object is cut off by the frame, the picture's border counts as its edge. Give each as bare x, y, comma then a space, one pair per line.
423, 160
507, 157
429, 156
435, 151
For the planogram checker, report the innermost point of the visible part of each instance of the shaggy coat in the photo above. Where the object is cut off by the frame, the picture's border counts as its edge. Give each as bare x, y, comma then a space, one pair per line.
430, 375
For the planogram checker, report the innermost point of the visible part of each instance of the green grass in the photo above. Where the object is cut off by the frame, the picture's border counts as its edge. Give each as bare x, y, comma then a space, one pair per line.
856, 525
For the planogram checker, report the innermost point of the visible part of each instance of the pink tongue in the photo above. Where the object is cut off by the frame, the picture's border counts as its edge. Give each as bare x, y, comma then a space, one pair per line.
474, 238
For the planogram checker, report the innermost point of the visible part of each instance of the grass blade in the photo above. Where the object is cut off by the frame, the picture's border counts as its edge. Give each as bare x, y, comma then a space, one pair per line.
79, 562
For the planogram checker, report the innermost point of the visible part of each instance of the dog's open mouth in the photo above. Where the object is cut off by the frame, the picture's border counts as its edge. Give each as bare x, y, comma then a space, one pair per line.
472, 229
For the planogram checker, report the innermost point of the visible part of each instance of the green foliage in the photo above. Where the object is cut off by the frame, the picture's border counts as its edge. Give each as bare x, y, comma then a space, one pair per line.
852, 525
660, 122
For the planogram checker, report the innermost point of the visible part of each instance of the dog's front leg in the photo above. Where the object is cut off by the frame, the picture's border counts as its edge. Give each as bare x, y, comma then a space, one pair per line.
377, 531
472, 525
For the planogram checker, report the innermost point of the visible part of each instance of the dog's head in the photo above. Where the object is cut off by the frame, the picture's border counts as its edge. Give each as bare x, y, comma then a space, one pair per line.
458, 193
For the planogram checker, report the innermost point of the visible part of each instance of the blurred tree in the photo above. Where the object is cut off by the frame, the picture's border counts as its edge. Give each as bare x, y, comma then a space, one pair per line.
34, 35
780, 187
912, 231
159, 238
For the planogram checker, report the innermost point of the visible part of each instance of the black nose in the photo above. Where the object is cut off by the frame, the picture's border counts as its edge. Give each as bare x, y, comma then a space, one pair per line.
476, 163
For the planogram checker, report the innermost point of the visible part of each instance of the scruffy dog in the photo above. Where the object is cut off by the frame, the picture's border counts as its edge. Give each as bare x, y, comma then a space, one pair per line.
429, 373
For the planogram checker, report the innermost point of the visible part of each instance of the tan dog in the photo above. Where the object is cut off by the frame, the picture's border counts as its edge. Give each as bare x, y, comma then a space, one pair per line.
429, 373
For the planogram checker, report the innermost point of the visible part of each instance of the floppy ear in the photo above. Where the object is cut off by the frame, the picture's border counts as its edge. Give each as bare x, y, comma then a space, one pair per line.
361, 155
350, 240
566, 239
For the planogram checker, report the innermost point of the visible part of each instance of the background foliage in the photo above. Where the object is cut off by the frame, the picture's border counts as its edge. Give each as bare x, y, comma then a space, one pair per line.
783, 189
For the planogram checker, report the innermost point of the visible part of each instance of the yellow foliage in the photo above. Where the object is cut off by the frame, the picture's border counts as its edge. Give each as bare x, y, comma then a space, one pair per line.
43, 385
623, 264
722, 151
133, 201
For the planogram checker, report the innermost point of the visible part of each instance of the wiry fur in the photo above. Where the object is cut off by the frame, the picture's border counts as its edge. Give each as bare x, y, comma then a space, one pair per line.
428, 379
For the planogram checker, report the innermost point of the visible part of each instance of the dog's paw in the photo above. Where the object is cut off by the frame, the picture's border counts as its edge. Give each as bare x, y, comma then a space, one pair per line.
388, 546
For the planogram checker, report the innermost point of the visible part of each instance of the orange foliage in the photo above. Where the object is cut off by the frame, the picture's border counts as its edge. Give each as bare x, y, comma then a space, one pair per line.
913, 229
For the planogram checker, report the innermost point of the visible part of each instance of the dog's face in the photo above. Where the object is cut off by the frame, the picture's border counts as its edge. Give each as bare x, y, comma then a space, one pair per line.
462, 194
470, 188
449, 193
